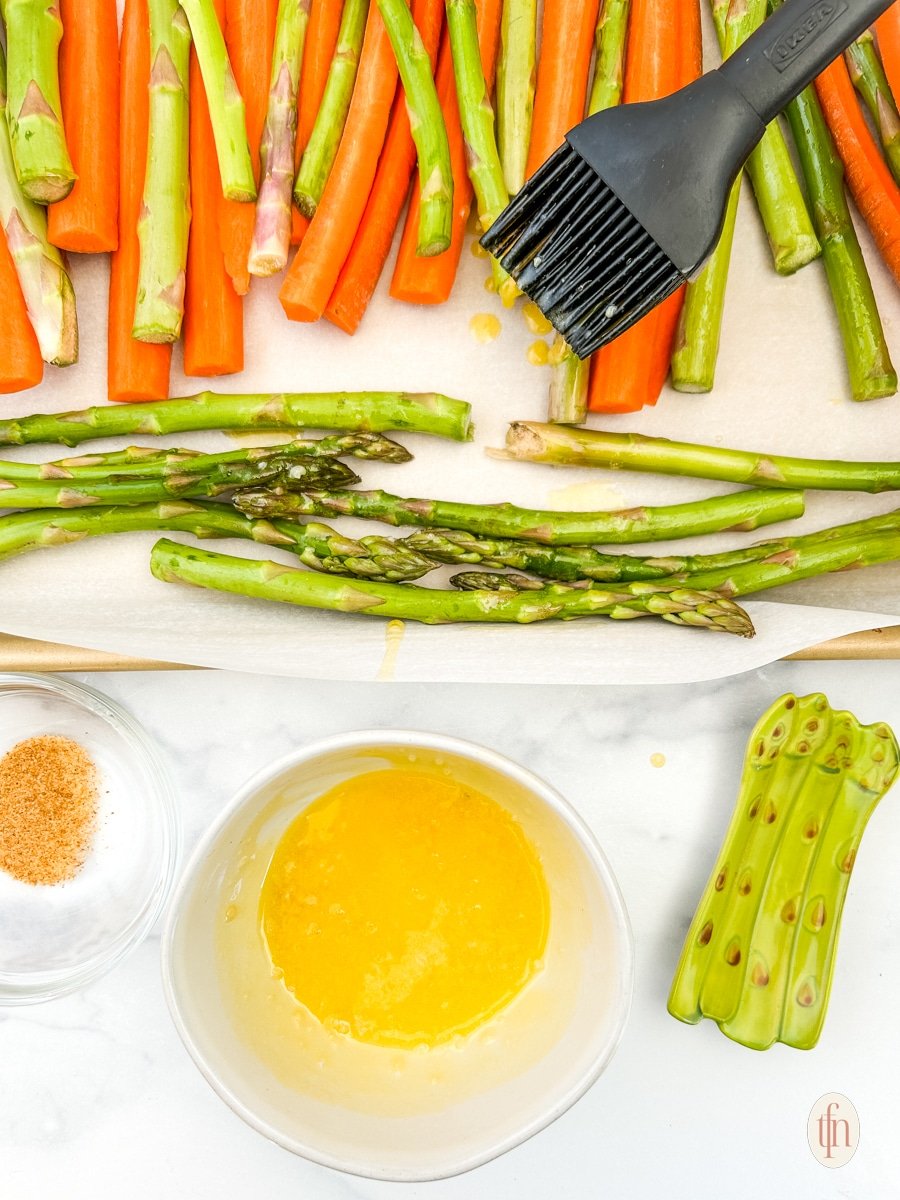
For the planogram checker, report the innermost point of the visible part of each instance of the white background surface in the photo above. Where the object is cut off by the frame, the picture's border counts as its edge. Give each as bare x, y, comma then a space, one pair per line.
99, 1100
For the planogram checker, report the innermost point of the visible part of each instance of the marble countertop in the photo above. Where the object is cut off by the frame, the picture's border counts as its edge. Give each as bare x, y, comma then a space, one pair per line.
98, 1098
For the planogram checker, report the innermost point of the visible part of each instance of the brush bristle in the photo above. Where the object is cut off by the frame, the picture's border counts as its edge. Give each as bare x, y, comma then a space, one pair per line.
574, 248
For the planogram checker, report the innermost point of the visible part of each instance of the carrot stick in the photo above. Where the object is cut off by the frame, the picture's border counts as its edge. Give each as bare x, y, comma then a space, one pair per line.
429, 280
567, 43
21, 365
887, 28
874, 190
86, 221
321, 39
249, 31
360, 273
664, 53
323, 251
213, 328
135, 370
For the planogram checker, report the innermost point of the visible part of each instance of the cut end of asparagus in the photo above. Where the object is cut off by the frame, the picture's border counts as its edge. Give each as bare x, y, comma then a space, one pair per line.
47, 189
306, 204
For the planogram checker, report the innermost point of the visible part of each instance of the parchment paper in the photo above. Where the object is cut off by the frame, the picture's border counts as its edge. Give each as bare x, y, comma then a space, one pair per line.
780, 387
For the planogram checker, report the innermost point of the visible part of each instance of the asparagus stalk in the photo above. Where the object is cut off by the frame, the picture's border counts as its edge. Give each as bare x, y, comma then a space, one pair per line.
46, 286
49, 493
317, 546
869, 365
226, 105
173, 563
570, 375
322, 147
161, 464
423, 412
272, 227
532, 441
426, 123
43, 167
609, 59
871, 82
808, 559
759, 954
476, 117
776, 187
166, 211
515, 88
740, 510
572, 564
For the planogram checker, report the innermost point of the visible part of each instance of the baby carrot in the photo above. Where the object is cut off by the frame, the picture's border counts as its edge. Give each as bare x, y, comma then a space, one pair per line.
86, 221
21, 365
887, 30
213, 328
567, 42
249, 31
876, 194
360, 273
421, 280
323, 251
136, 370
663, 54
321, 39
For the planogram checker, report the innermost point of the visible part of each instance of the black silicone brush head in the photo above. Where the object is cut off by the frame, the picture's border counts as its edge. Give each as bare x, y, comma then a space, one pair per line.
626, 210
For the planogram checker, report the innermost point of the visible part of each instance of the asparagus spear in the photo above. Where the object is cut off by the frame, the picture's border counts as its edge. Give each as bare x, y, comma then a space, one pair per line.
33, 34
808, 559
46, 286
740, 510
572, 564
173, 563
515, 88
426, 123
422, 412
317, 546
776, 187
47, 493
272, 228
534, 442
166, 211
869, 365
321, 149
477, 119
871, 82
226, 105
570, 374
759, 955
161, 464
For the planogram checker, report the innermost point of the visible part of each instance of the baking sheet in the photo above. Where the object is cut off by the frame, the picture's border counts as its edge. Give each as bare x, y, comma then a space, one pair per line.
780, 387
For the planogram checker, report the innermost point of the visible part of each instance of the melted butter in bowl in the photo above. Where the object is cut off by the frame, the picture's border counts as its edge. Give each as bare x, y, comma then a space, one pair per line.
399, 955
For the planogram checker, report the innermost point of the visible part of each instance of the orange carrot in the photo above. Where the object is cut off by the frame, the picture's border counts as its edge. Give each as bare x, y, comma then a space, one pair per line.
874, 190
429, 280
567, 42
663, 54
213, 311
360, 273
249, 30
21, 365
87, 220
323, 251
136, 370
887, 27
321, 39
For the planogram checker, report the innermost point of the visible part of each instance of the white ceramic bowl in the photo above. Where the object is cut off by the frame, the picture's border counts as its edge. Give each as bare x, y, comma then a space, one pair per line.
516, 1081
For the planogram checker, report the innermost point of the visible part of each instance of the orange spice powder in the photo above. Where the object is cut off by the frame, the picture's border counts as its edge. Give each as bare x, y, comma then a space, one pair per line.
48, 809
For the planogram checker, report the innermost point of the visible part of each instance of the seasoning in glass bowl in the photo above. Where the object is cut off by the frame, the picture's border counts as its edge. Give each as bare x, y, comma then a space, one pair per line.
48, 809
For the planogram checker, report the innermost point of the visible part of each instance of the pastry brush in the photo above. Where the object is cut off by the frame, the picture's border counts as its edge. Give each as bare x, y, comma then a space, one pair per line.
632, 203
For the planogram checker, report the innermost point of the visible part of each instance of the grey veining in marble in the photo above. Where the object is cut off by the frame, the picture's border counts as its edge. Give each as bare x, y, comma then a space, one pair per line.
98, 1098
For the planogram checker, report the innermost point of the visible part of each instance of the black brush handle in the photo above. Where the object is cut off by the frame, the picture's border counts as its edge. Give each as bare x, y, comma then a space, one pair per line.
789, 50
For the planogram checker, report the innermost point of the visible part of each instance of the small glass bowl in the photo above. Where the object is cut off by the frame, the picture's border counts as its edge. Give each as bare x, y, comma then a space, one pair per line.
55, 939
